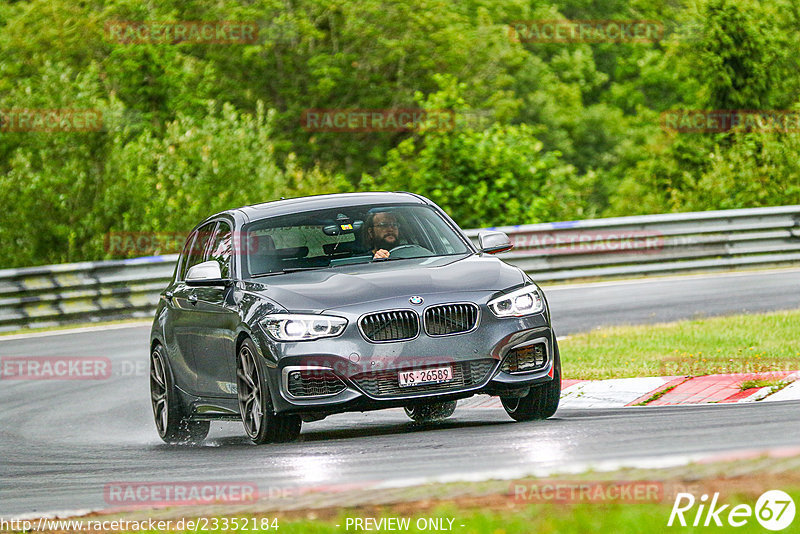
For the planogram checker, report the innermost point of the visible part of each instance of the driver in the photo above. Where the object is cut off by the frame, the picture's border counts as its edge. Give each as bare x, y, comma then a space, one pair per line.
383, 233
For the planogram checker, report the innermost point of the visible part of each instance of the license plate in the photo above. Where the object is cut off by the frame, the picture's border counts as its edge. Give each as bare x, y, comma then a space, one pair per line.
425, 376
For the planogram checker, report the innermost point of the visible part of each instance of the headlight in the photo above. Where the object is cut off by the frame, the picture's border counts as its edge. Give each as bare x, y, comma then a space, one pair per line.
523, 301
290, 327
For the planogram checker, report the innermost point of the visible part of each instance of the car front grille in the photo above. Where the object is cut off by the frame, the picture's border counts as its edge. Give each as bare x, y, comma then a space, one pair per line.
393, 325
447, 319
313, 383
527, 358
465, 375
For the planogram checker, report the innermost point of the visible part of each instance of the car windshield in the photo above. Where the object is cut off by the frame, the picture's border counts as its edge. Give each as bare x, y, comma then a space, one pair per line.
345, 236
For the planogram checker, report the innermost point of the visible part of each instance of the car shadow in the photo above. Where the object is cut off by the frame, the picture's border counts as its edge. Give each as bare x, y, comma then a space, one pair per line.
342, 432
387, 429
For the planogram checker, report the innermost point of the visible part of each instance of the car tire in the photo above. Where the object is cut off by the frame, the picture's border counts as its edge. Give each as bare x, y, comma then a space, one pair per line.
261, 424
542, 400
433, 411
173, 421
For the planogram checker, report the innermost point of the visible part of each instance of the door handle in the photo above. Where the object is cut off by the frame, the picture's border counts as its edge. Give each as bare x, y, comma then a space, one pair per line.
193, 299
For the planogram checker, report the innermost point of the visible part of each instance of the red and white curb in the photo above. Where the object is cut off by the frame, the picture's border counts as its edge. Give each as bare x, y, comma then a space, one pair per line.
673, 390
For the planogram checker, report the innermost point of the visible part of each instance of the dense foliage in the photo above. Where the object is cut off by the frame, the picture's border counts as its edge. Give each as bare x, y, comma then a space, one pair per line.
543, 131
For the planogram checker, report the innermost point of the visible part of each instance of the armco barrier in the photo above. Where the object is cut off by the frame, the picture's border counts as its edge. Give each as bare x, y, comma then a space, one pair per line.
87, 291
655, 244
622, 246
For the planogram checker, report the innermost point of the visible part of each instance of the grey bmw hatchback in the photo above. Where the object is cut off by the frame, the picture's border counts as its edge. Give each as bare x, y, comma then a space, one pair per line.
293, 310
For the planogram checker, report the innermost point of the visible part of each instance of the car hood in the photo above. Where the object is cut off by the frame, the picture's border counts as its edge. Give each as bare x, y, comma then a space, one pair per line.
331, 288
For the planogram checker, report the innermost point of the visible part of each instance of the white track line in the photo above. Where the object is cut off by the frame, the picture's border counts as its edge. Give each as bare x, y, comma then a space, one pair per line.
66, 331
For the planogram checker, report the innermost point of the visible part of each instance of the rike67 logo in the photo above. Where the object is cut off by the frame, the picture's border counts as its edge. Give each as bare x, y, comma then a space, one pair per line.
774, 510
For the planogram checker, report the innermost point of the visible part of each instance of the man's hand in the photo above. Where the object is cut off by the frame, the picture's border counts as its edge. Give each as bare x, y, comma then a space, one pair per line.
381, 254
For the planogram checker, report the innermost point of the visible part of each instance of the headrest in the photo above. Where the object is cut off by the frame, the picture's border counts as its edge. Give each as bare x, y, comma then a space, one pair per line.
264, 243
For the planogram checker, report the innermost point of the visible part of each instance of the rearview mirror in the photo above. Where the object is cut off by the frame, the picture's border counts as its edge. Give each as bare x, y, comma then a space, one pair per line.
343, 227
493, 242
207, 273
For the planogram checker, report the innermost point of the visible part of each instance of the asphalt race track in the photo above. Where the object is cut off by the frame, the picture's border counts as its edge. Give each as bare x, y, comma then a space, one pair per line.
577, 309
62, 442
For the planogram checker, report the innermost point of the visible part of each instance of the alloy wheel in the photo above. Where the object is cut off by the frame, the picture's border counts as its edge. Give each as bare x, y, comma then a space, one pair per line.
249, 391
512, 404
158, 391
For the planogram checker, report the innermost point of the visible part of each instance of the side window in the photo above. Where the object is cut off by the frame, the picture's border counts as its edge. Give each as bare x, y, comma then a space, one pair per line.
199, 244
433, 225
221, 249
185, 255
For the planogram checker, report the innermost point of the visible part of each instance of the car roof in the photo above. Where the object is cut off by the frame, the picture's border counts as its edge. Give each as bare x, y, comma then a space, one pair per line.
293, 205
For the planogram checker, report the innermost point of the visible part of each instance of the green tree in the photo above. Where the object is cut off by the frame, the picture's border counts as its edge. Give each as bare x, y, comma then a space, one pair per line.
496, 176
741, 50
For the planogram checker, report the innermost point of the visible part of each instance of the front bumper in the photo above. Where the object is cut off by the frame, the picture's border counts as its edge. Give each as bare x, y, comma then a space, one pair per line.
368, 371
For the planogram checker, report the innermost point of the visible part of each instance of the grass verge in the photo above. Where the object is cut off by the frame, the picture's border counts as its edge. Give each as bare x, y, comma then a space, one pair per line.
655, 396
761, 383
718, 345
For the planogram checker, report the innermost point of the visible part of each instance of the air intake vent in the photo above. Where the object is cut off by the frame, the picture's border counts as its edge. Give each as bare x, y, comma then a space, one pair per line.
390, 325
527, 358
313, 383
448, 319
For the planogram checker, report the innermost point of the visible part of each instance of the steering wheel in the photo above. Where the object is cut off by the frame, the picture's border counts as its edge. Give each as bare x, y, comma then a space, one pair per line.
408, 251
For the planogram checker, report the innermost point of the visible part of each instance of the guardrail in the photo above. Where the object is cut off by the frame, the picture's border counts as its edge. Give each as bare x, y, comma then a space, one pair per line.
621, 246
655, 244
87, 291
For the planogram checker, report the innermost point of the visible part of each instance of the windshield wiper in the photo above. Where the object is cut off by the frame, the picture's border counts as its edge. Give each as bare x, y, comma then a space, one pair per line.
295, 269
287, 270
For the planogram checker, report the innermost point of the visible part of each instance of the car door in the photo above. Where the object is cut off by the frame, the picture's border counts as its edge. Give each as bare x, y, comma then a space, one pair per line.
179, 329
216, 319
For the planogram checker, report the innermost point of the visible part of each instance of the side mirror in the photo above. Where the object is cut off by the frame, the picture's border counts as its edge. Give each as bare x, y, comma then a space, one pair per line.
493, 242
207, 273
